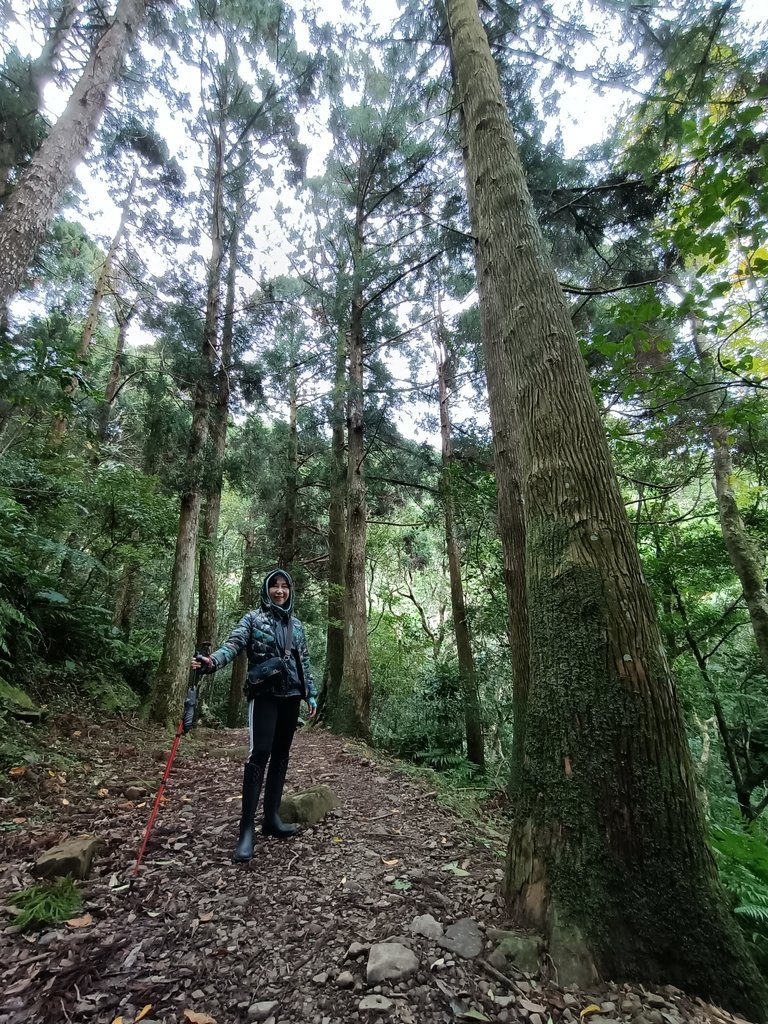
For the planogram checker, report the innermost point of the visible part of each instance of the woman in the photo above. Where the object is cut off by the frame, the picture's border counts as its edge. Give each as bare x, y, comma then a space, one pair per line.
279, 676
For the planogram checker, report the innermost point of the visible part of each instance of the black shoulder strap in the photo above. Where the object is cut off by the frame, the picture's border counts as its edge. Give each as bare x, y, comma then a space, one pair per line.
288, 639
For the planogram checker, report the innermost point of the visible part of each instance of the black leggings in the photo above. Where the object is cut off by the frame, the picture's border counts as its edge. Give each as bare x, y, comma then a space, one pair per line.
271, 725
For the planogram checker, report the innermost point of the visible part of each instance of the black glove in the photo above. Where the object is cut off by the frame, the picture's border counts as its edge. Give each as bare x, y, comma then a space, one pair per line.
190, 704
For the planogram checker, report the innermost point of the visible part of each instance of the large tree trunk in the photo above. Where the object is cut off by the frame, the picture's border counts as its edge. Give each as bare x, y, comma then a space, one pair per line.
41, 70
607, 852
208, 591
473, 726
287, 551
334, 651
356, 685
746, 558
173, 670
27, 214
246, 601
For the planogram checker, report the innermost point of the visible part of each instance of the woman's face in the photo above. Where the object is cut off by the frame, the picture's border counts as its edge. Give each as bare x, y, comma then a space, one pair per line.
278, 590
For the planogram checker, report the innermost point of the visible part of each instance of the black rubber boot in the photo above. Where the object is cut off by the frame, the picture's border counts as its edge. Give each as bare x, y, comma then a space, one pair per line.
252, 780
273, 794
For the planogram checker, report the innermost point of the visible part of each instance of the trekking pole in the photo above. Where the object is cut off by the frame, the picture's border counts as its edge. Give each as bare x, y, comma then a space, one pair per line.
185, 724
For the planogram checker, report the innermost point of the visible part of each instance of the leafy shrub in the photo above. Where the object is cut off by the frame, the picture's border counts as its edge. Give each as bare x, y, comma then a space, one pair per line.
742, 858
47, 903
425, 723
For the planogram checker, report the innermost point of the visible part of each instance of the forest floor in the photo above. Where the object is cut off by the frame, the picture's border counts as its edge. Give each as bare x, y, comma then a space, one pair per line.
285, 938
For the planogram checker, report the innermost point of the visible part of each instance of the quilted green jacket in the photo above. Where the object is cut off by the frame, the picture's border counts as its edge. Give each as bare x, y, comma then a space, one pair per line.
255, 634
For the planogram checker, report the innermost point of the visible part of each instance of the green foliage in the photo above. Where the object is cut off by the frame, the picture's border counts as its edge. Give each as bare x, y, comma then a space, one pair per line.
47, 903
742, 858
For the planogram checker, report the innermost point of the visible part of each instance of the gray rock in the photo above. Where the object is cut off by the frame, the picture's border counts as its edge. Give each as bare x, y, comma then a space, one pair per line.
521, 949
654, 1016
375, 1002
503, 1000
608, 1007
536, 1018
463, 938
345, 980
262, 1010
629, 1005
390, 961
309, 807
320, 979
570, 1000
73, 857
355, 950
530, 1007
655, 1000
427, 926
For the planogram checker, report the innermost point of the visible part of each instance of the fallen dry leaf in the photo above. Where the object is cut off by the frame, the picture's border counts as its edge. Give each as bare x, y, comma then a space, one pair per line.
16, 772
142, 1013
80, 922
103, 791
117, 1020
199, 1018
390, 863
589, 1010
207, 916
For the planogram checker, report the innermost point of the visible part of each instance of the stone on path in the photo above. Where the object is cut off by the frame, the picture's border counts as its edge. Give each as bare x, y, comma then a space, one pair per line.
345, 980
519, 948
427, 926
262, 1010
390, 961
73, 857
309, 807
375, 1002
355, 950
463, 938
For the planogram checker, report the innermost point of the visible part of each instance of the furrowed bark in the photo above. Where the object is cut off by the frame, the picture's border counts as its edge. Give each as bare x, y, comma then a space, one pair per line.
607, 851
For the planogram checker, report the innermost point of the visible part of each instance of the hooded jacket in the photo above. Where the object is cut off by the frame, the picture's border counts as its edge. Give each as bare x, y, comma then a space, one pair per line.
261, 634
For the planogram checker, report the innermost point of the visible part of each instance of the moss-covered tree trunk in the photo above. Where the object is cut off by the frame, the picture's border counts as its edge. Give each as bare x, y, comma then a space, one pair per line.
334, 651
473, 727
607, 852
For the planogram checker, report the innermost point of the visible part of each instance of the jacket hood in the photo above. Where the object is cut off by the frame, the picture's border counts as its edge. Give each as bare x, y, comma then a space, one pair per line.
281, 611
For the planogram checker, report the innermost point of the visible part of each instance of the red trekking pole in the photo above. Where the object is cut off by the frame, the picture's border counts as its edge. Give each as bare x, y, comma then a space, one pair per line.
185, 724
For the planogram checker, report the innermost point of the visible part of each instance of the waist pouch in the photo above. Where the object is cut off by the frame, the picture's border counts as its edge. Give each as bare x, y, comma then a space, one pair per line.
268, 677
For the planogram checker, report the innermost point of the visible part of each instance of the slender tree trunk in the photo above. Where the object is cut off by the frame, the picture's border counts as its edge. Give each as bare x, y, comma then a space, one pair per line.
334, 651
29, 210
208, 591
746, 557
287, 551
246, 601
103, 284
607, 851
173, 670
113, 379
472, 717
357, 670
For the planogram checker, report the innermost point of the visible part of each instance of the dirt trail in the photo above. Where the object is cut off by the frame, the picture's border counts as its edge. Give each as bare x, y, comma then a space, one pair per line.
199, 939
195, 932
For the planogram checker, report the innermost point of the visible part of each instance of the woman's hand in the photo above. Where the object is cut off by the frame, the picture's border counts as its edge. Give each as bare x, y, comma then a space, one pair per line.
203, 664
312, 705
